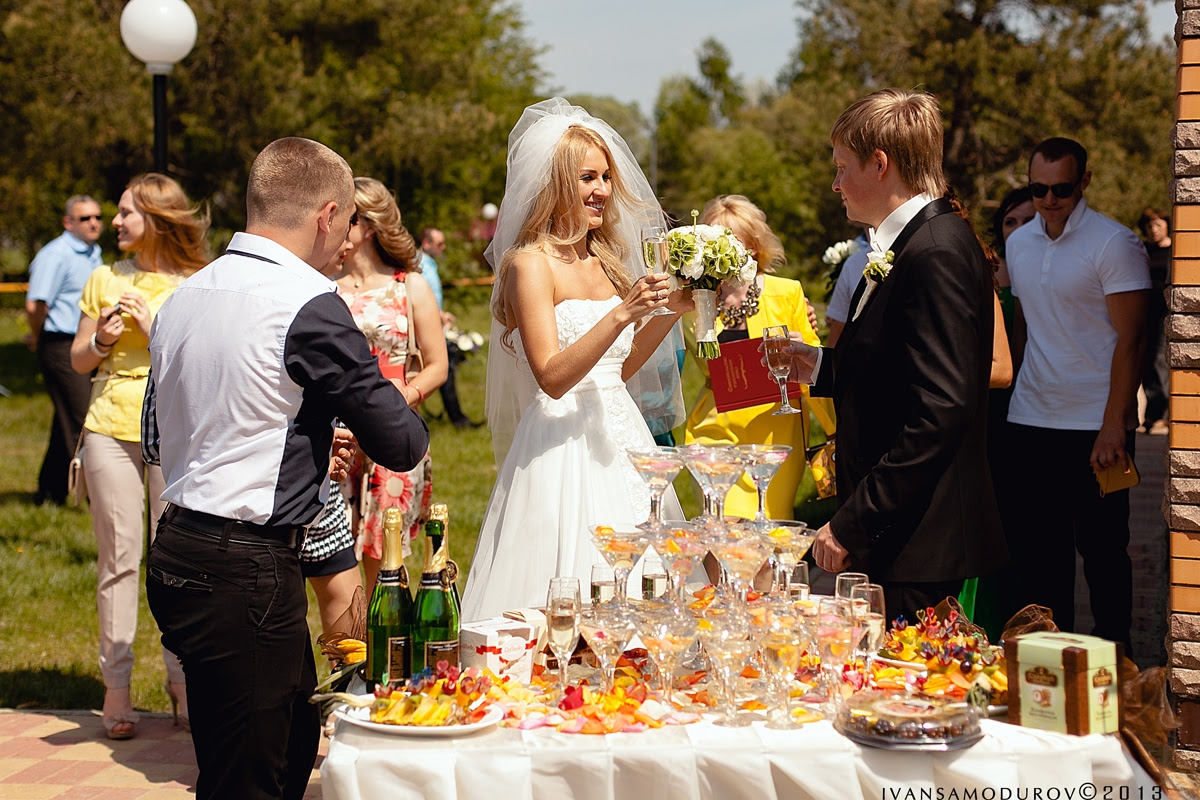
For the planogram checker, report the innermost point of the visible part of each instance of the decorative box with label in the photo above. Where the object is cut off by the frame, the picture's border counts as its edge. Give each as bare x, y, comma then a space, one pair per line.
504, 646
1064, 682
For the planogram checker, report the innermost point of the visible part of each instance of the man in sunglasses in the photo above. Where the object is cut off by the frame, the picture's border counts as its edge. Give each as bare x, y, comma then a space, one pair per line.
1081, 281
56, 279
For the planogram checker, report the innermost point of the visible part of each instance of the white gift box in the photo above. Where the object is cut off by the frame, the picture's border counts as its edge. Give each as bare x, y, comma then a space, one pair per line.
504, 646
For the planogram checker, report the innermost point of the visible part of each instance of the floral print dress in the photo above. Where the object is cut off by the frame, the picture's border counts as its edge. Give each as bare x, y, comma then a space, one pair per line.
382, 316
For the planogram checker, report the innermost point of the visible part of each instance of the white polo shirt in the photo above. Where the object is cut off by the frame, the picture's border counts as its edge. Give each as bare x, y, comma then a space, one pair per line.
1062, 284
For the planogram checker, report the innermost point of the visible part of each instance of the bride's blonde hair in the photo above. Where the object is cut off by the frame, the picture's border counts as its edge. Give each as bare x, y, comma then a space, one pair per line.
558, 217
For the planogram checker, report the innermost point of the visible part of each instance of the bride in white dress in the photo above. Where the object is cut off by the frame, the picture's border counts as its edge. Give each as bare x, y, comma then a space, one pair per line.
571, 340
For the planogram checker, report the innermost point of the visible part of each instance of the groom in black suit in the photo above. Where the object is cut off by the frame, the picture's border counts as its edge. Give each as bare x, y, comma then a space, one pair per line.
909, 375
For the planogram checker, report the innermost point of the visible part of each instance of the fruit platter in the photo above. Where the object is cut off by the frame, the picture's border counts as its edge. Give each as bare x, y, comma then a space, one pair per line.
941, 657
444, 698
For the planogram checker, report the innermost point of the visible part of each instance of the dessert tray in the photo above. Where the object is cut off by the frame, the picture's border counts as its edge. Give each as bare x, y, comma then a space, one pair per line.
897, 720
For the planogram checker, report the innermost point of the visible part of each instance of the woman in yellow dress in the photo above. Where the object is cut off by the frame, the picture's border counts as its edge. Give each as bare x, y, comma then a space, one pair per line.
742, 313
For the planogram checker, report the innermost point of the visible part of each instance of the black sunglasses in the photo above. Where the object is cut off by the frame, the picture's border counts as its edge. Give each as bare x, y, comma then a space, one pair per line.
1061, 190
87, 218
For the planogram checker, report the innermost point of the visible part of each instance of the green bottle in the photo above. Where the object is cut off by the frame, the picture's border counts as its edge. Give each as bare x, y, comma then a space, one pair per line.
435, 610
390, 614
435, 532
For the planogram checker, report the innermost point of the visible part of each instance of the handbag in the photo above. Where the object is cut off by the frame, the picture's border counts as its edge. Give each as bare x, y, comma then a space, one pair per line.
76, 482
414, 362
823, 461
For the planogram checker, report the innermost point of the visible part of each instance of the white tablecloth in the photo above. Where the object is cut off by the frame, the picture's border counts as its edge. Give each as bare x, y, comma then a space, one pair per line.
706, 761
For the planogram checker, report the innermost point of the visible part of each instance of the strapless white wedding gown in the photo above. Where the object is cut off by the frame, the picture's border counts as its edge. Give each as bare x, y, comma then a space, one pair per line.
565, 473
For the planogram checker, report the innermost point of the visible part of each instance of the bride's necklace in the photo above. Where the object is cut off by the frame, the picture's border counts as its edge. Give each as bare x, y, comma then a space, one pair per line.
733, 316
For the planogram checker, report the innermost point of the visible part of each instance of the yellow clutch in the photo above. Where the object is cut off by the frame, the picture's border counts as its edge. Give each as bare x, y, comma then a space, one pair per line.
1117, 476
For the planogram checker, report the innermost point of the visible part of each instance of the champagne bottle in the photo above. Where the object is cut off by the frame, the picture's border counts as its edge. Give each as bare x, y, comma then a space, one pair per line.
435, 619
435, 532
390, 614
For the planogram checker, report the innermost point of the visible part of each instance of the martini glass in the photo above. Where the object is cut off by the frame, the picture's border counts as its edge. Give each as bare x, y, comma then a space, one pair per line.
681, 548
742, 553
716, 469
762, 462
658, 466
667, 633
729, 643
607, 629
621, 548
789, 540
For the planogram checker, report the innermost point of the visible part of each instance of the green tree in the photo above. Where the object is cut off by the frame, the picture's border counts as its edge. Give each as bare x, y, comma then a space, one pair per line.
418, 93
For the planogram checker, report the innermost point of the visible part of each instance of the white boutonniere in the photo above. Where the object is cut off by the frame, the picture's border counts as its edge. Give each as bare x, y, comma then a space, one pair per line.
879, 265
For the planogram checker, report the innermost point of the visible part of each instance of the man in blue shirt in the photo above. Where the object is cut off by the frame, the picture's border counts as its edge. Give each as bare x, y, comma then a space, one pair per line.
56, 279
433, 245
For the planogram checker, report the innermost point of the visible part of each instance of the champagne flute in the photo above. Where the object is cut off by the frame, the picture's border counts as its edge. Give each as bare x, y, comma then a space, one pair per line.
798, 585
603, 586
562, 621
781, 653
871, 594
835, 639
775, 339
655, 254
846, 581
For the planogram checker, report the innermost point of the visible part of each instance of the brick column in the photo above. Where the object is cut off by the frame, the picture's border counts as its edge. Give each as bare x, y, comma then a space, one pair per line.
1182, 502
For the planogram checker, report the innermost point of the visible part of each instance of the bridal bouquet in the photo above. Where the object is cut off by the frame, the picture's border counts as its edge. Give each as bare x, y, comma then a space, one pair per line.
701, 258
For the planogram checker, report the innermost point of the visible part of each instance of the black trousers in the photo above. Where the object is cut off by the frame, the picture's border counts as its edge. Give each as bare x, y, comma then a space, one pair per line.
70, 393
449, 390
1056, 511
235, 616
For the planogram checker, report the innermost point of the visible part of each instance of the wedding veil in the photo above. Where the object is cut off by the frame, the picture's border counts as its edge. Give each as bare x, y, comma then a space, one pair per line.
655, 387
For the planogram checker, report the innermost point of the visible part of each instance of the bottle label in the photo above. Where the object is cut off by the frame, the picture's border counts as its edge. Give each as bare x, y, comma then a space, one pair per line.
441, 651
399, 661
431, 580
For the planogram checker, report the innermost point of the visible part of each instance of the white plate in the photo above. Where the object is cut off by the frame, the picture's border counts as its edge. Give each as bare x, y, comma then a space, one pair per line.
362, 718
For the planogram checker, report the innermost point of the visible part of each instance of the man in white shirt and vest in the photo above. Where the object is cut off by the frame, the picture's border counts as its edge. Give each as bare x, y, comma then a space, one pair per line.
1081, 281
252, 359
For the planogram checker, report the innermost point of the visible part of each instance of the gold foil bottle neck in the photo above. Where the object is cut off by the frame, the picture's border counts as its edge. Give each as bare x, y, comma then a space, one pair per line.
436, 561
393, 539
441, 513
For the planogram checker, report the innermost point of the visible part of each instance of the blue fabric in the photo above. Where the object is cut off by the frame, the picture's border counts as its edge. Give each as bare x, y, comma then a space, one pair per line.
56, 277
429, 271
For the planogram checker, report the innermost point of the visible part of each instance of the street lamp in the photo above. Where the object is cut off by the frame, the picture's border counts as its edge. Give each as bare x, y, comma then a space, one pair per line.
160, 33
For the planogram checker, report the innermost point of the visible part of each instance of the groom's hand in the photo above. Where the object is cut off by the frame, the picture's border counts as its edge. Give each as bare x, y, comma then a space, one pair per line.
828, 551
804, 359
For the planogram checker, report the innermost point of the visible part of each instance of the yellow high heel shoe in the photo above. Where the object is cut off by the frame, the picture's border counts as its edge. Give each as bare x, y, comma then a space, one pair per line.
171, 693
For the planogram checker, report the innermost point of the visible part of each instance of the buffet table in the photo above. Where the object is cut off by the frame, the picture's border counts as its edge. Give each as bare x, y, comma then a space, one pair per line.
706, 761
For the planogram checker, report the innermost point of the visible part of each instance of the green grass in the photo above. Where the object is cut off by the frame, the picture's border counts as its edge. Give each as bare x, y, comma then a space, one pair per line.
49, 639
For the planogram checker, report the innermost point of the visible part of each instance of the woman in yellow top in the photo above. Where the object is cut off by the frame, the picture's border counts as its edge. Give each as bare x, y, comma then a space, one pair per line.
742, 313
165, 236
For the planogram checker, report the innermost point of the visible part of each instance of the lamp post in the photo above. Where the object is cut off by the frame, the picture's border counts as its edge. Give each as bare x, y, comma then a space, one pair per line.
159, 33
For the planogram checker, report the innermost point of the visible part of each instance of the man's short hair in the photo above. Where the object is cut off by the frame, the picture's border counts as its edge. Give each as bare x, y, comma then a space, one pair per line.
427, 234
293, 178
907, 125
74, 200
1057, 148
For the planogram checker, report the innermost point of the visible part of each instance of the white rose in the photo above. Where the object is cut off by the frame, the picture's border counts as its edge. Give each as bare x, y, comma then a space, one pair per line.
749, 270
693, 269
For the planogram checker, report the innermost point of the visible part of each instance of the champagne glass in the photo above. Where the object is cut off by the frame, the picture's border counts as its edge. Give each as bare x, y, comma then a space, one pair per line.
742, 553
775, 340
798, 585
658, 466
607, 629
716, 469
790, 540
781, 649
681, 548
729, 642
667, 633
656, 255
762, 462
562, 622
835, 641
846, 582
621, 549
603, 587
871, 596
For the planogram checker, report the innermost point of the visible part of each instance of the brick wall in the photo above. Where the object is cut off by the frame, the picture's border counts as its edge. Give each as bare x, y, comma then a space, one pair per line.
1182, 501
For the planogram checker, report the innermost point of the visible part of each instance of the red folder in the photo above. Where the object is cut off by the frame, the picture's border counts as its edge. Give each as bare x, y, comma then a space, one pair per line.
740, 379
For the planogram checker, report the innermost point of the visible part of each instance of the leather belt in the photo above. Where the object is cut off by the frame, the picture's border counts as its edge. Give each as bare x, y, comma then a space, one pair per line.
225, 530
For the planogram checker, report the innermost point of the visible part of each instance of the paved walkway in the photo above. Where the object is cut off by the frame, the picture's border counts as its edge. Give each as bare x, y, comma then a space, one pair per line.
64, 754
